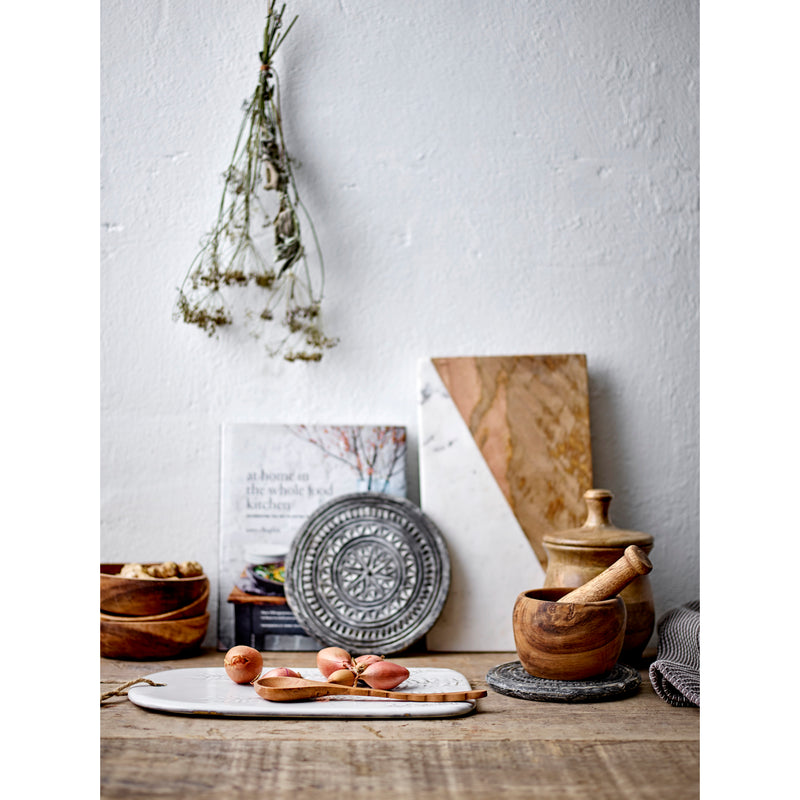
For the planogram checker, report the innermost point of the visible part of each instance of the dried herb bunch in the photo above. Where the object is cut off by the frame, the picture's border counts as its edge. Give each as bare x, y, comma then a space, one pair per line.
259, 193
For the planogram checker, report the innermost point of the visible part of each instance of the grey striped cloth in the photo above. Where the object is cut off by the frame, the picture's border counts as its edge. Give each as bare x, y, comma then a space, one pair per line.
675, 673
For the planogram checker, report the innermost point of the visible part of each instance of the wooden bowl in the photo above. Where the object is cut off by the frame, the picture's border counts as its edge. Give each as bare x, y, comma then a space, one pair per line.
139, 641
143, 597
193, 609
567, 641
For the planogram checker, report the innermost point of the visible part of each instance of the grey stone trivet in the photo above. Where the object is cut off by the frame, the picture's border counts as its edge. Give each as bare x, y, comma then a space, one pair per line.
369, 573
511, 679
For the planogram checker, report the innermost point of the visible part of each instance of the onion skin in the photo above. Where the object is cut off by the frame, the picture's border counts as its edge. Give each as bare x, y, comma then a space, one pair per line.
384, 675
243, 664
330, 659
281, 672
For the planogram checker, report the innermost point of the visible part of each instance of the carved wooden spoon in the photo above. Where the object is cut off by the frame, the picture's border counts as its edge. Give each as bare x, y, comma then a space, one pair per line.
283, 689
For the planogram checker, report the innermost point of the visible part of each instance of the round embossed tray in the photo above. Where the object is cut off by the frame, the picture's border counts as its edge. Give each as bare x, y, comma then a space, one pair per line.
511, 679
367, 572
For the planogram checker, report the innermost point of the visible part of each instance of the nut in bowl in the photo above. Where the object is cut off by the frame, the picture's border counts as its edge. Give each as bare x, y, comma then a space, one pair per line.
152, 610
144, 593
567, 641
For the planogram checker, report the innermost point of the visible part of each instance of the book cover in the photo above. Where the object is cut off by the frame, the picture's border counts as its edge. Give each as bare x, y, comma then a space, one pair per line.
272, 478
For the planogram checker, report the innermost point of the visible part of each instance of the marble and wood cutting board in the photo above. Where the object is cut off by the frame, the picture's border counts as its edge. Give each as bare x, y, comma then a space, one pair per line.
505, 458
209, 691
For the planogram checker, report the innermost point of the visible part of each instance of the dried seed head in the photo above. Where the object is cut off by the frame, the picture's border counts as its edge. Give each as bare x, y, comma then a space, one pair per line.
272, 176
284, 223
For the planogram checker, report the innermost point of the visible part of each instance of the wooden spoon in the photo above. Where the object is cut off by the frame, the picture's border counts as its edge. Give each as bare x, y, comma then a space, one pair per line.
283, 689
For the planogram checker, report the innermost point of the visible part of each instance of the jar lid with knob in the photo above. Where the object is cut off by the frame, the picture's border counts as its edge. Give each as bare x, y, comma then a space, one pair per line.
598, 530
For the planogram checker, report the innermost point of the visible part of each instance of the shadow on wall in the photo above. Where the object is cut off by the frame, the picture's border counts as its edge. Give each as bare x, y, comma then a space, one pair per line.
609, 464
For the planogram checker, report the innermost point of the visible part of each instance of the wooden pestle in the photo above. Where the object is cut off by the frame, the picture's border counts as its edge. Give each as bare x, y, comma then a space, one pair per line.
613, 580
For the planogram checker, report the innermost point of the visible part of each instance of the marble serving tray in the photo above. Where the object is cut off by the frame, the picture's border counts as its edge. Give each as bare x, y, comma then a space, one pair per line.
209, 691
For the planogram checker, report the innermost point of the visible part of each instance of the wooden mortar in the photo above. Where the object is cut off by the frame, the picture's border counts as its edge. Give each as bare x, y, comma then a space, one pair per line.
573, 635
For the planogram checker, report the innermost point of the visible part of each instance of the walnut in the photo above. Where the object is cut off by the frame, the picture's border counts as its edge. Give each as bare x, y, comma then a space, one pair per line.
167, 569
189, 569
133, 571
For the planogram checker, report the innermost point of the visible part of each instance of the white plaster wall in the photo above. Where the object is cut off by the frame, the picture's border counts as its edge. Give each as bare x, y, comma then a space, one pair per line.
514, 177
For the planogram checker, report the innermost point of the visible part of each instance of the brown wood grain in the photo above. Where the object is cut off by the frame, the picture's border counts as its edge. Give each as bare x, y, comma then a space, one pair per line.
418, 770
287, 689
612, 580
529, 416
140, 597
638, 747
131, 638
567, 641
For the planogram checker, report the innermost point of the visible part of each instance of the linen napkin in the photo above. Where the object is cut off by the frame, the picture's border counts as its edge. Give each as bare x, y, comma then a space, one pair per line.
675, 673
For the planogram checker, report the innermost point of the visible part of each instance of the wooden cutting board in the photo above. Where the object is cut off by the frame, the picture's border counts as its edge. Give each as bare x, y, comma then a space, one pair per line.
529, 416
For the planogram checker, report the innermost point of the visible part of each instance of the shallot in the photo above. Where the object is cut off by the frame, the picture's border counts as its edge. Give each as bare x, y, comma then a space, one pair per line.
330, 659
365, 661
281, 672
243, 664
344, 677
383, 675
338, 666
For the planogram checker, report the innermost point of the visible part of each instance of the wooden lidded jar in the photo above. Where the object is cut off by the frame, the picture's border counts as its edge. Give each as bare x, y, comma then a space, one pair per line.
576, 556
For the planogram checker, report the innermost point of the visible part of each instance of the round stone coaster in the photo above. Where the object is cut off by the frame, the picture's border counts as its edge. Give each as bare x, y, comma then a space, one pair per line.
367, 572
511, 679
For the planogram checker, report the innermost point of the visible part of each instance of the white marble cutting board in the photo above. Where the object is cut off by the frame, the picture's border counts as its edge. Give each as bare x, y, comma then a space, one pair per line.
491, 559
208, 690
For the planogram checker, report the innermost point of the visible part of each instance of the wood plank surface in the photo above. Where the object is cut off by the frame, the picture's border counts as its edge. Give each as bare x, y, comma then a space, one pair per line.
638, 747
357, 769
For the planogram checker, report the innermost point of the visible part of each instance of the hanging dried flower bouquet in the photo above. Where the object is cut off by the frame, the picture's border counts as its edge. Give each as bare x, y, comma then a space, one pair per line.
260, 193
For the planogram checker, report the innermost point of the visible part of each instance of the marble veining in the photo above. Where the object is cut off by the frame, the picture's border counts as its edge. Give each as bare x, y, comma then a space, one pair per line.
491, 559
529, 416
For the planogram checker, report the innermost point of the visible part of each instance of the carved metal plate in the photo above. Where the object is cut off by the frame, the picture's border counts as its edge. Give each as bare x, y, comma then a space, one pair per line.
369, 573
511, 679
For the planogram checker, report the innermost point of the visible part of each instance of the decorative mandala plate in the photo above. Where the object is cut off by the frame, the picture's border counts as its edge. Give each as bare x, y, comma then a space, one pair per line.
367, 572
208, 690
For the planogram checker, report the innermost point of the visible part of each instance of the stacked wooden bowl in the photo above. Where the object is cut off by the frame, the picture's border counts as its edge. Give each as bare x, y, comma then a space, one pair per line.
149, 618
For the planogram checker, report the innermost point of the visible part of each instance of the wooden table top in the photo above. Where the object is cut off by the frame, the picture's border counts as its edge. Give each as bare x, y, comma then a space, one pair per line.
638, 747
